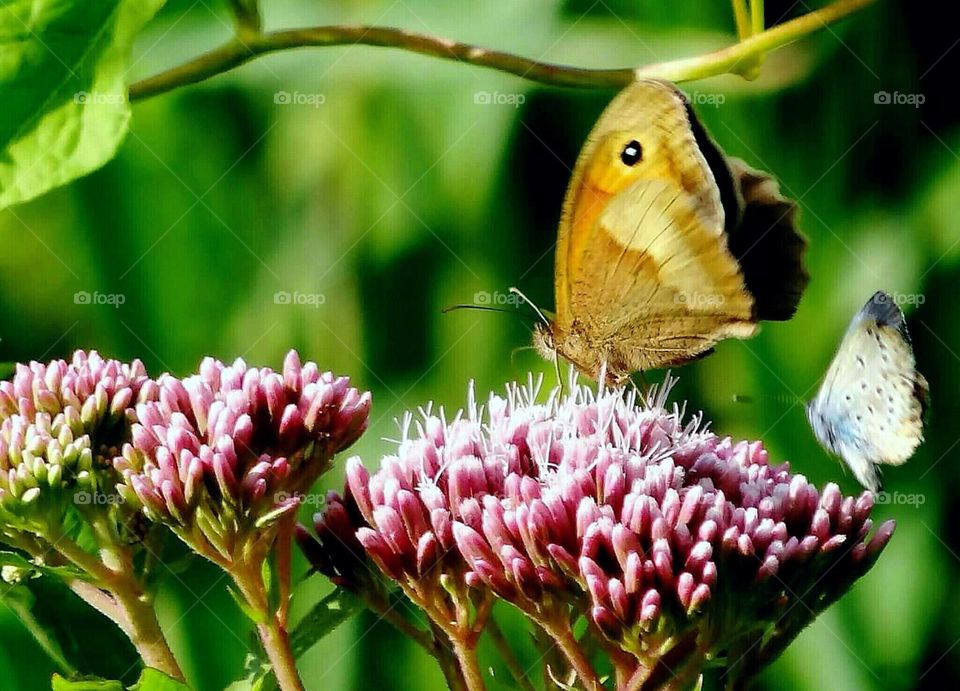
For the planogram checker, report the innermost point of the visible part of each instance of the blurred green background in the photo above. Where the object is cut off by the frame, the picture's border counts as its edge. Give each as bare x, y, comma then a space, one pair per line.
387, 189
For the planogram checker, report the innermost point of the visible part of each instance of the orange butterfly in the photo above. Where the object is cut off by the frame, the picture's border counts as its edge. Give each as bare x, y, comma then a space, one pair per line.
666, 246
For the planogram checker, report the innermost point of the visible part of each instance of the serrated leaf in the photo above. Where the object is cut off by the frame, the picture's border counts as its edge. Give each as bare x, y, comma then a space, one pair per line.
325, 616
63, 89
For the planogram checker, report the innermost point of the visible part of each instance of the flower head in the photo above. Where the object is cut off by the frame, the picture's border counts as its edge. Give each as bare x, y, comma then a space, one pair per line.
59, 425
221, 455
667, 535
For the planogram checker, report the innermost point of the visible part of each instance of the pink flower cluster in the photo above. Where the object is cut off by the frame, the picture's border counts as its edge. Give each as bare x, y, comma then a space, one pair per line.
663, 532
231, 449
89, 387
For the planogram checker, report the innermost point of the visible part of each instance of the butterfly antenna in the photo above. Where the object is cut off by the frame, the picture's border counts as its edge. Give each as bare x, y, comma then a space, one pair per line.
516, 291
782, 399
485, 308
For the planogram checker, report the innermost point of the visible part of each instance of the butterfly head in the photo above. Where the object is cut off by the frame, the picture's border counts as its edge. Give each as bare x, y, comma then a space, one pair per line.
543, 340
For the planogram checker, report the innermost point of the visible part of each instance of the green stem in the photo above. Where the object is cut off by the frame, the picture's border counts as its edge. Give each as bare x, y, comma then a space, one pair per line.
736, 59
562, 635
741, 18
277, 644
272, 632
469, 666
144, 631
756, 17
246, 14
118, 597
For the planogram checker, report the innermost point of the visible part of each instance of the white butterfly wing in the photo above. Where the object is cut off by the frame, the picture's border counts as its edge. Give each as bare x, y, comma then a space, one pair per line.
869, 408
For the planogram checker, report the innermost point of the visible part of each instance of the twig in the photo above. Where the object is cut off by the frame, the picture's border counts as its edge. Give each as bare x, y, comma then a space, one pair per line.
736, 59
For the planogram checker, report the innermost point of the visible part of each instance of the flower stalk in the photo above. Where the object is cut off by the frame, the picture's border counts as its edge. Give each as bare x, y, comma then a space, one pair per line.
59, 426
223, 458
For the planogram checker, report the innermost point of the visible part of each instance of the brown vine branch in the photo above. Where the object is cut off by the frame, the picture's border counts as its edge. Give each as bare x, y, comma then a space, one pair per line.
739, 58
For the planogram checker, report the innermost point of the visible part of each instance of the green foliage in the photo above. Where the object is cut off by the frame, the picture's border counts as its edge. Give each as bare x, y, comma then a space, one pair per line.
398, 196
150, 680
322, 619
63, 76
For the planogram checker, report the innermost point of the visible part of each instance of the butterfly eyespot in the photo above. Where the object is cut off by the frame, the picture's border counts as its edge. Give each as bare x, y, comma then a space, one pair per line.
632, 153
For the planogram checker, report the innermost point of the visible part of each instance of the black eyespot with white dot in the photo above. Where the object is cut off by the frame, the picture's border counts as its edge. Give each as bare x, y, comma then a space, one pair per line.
632, 153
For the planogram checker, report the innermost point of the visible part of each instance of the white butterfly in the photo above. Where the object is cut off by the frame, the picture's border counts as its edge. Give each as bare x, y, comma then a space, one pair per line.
869, 410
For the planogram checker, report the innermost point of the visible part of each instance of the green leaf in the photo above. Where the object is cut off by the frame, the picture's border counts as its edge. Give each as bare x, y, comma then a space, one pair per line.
150, 680
63, 89
258, 676
58, 683
27, 567
252, 614
155, 680
325, 616
98, 647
